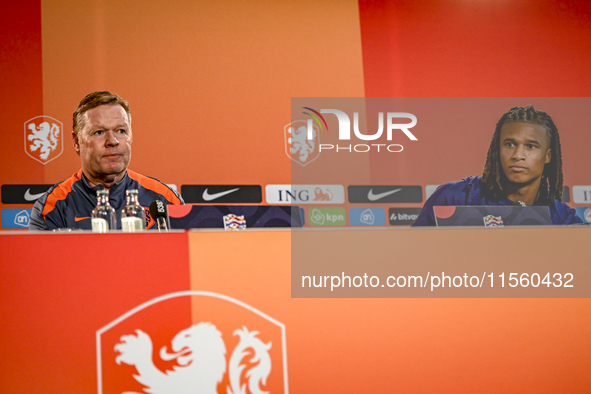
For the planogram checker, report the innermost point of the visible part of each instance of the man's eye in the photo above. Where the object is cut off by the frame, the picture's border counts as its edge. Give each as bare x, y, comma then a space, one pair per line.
98, 132
122, 131
530, 146
509, 144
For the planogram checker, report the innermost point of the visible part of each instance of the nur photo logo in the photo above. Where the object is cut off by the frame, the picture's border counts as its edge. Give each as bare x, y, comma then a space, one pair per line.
302, 140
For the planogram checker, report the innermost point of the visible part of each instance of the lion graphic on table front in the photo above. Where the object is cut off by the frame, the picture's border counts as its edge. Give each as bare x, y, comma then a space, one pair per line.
44, 137
200, 352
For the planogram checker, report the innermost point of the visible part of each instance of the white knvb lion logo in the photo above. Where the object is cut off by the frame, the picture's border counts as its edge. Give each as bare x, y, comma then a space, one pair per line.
298, 147
200, 353
44, 139
300, 143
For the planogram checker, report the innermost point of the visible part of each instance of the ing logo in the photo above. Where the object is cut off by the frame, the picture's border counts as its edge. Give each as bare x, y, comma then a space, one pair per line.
320, 195
43, 138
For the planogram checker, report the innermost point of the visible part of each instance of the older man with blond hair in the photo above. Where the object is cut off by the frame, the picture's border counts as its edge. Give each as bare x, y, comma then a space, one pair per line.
102, 137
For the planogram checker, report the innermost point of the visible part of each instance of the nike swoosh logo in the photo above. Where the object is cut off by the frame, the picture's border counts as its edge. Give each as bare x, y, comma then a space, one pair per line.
32, 197
375, 197
76, 218
208, 197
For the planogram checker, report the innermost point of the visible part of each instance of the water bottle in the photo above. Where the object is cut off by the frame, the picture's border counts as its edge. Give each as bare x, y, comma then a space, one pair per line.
133, 218
103, 217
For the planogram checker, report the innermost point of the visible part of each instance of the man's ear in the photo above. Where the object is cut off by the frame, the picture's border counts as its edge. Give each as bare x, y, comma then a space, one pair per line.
76, 143
548, 156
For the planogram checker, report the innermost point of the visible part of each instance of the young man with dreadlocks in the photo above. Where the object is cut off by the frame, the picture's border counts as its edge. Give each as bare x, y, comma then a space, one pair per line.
524, 164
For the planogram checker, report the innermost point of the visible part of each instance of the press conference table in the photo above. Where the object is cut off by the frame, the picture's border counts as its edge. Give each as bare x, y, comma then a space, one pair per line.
67, 299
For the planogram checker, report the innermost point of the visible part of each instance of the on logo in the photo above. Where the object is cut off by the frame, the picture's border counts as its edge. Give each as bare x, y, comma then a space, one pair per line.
43, 138
299, 147
22, 218
367, 217
192, 342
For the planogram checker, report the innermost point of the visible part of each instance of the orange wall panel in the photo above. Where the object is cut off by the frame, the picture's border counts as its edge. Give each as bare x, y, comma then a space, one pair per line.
406, 345
209, 83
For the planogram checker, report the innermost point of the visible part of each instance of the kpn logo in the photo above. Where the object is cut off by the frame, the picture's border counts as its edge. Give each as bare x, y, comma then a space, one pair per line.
326, 216
302, 139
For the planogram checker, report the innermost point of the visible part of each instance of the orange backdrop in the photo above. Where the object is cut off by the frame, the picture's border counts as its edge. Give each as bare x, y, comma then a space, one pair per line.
210, 83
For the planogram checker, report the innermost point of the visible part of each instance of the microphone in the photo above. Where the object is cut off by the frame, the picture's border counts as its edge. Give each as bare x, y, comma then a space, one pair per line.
159, 212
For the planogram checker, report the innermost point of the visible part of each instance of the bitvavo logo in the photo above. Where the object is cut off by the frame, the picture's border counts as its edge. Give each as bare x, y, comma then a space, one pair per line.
345, 130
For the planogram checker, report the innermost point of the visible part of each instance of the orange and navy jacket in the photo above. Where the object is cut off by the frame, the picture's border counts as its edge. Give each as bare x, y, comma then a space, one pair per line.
69, 204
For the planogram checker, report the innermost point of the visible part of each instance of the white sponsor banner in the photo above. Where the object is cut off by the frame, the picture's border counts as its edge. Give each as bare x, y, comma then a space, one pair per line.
582, 194
305, 194
430, 189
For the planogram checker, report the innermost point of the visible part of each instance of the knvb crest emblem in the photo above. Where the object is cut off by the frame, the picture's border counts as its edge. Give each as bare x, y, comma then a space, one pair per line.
298, 146
192, 342
43, 138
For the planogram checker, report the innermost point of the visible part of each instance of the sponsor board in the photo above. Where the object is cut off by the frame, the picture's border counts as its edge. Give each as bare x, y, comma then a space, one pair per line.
582, 194
15, 218
403, 216
305, 194
22, 194
565, 194
326, 216
367, 217
429, 190
234, 194
44, 138
385, 194
584, 213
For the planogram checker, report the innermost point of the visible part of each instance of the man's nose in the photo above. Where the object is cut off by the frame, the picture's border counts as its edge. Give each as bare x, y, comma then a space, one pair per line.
519, 152
112, 139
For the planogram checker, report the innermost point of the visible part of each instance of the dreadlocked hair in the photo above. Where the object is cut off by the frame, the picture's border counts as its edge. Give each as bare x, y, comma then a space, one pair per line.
494, 177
